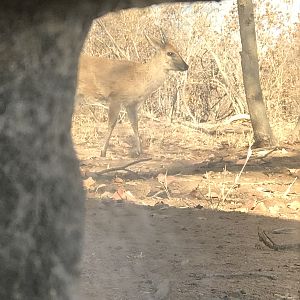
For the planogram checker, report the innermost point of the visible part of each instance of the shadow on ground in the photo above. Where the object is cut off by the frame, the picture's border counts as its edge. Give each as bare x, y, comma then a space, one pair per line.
169, 242
160, 252
269, 160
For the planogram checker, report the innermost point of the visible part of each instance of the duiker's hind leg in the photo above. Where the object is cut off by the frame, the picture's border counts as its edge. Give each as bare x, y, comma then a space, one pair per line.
133, 118
113, 113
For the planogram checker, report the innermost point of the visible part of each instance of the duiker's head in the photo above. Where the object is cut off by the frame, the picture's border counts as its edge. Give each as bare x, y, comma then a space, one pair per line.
168, 54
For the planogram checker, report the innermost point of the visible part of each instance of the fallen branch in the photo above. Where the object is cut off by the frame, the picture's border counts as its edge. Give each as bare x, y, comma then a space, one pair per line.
263, 237
264, 154
213, 128
124, 168
237, 118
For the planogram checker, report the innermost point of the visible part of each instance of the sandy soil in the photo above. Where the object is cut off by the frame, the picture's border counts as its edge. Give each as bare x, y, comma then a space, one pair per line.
184, 225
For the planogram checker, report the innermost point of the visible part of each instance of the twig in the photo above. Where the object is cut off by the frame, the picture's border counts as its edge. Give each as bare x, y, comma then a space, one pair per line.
268, 153
288, 190
263, 237
164, 184
237, 118
249, 153
238, 176
121, 167
112, 39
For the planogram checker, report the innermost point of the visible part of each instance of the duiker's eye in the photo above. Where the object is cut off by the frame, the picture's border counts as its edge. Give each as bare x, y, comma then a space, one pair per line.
171, 54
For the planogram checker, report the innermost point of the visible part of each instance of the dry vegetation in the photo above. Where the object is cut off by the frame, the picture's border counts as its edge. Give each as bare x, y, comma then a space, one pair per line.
194, 106
212, 90
200, 162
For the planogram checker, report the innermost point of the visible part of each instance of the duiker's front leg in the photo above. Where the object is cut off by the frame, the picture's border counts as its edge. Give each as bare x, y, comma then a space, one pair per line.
113, 113
133, 118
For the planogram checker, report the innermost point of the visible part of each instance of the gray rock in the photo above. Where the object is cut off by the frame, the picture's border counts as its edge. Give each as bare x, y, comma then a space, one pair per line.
41, 195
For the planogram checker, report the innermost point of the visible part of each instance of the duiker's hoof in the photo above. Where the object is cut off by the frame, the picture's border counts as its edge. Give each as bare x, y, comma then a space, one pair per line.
103, 153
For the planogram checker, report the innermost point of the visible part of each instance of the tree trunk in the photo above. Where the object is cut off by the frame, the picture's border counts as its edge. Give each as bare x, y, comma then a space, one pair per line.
297, 128
263, 135
296, 132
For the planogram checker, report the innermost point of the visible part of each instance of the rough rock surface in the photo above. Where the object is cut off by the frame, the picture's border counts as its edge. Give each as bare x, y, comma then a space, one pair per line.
41, 197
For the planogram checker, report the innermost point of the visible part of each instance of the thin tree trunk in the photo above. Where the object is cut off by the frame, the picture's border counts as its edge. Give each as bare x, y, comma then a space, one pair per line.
263, 135
296, 132
297, 127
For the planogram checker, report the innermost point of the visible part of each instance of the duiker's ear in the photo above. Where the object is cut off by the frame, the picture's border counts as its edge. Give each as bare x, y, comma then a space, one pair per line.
164, 39
155, 42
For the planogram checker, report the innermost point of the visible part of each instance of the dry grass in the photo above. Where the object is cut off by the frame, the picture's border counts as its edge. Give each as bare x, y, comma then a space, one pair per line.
89, 128
212, 89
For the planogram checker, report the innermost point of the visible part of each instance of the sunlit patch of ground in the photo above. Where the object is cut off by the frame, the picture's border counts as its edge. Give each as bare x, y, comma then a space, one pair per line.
181, 222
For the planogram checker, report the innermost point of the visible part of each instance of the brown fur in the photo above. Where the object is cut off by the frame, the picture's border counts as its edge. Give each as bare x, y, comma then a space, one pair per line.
126, 83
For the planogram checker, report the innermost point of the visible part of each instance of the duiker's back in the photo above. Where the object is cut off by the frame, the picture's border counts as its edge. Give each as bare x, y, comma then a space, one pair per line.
100, 77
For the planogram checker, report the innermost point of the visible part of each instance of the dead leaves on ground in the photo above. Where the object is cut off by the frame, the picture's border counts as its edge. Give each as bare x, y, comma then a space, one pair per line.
211, 190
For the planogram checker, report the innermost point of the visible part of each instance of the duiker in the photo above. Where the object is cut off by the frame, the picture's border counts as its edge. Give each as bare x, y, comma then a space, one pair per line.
127, 83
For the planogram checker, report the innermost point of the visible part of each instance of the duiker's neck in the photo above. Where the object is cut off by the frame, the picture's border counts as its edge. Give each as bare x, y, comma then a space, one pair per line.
155, 67
156, 62
152, 73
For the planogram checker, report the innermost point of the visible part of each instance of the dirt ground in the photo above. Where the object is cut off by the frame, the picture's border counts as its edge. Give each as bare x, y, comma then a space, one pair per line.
184, 225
